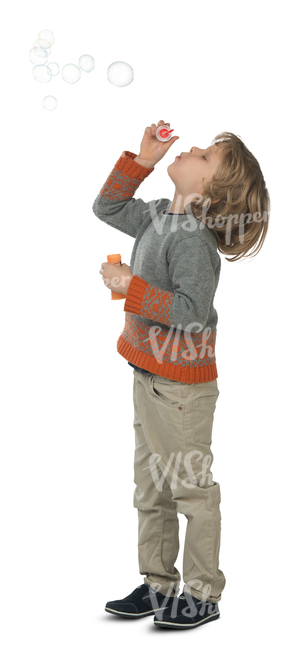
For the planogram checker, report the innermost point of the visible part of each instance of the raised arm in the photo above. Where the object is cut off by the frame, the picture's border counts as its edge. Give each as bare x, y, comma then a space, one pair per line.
114, 204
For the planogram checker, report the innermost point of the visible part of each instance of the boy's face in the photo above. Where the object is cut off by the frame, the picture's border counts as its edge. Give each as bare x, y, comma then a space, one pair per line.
188, 171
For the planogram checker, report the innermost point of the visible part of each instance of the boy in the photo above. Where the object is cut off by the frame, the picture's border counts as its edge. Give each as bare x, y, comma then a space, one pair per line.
169, 340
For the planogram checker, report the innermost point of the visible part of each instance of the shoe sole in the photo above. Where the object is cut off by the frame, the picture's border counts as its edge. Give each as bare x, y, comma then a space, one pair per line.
135, 615
182, 626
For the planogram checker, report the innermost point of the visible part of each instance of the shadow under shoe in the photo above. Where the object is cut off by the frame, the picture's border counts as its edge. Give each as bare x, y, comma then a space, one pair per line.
143, 601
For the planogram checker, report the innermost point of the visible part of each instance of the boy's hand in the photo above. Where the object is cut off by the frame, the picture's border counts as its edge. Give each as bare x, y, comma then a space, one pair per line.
151, 149
115, 277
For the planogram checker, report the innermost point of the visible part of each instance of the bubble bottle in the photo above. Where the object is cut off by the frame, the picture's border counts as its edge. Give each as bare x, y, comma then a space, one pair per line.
163, 134
115, 259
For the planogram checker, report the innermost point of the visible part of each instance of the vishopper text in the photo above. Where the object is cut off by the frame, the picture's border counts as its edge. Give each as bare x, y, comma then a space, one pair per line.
192, 481
192, 609
193, 223
188, 355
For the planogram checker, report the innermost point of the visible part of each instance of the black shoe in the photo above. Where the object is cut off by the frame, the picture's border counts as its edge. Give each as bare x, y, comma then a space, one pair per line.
143, 601
187, 612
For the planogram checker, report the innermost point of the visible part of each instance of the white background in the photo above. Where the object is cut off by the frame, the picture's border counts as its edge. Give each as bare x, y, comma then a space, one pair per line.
69, 529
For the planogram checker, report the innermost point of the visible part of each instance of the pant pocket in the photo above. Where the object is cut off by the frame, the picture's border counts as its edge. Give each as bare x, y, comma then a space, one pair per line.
203, 415
167, 393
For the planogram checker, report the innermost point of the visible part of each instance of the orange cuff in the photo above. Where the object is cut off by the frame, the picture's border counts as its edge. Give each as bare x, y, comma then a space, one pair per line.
134, 295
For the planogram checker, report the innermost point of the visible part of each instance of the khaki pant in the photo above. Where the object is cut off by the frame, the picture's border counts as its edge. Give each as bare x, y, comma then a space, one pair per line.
173, 433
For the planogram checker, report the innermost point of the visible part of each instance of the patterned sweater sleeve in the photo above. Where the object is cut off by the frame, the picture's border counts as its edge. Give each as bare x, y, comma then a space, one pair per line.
114, 204
194, 284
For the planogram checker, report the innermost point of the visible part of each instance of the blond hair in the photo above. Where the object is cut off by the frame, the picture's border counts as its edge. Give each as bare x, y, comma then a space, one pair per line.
237, 193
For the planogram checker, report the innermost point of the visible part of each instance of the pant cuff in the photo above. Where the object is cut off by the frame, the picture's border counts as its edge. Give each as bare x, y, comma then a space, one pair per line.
200, 595
171, 589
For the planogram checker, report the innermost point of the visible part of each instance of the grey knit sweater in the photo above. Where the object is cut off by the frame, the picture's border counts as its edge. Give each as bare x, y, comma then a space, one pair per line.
170, 321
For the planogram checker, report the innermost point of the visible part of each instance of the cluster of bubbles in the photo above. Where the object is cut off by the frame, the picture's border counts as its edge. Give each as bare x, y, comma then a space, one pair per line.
119, 73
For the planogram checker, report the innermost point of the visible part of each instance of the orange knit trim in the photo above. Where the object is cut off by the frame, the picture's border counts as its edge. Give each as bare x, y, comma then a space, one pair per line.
188, 375
126, 163
145, 300
124, 178
134, 295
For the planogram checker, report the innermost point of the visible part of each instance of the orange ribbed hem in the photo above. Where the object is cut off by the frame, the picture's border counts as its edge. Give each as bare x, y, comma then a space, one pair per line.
189, 375
127, 165
124, 178
134, 295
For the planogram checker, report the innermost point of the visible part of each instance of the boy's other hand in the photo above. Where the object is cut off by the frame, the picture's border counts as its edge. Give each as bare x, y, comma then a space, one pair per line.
151, 149
115, 277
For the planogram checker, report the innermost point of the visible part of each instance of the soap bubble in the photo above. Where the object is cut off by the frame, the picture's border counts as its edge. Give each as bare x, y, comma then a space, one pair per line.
71, 73
120, 73
54, 68
86, 63
50, 103
38, 55
42, 73
48, 35
45, 45
43, 42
